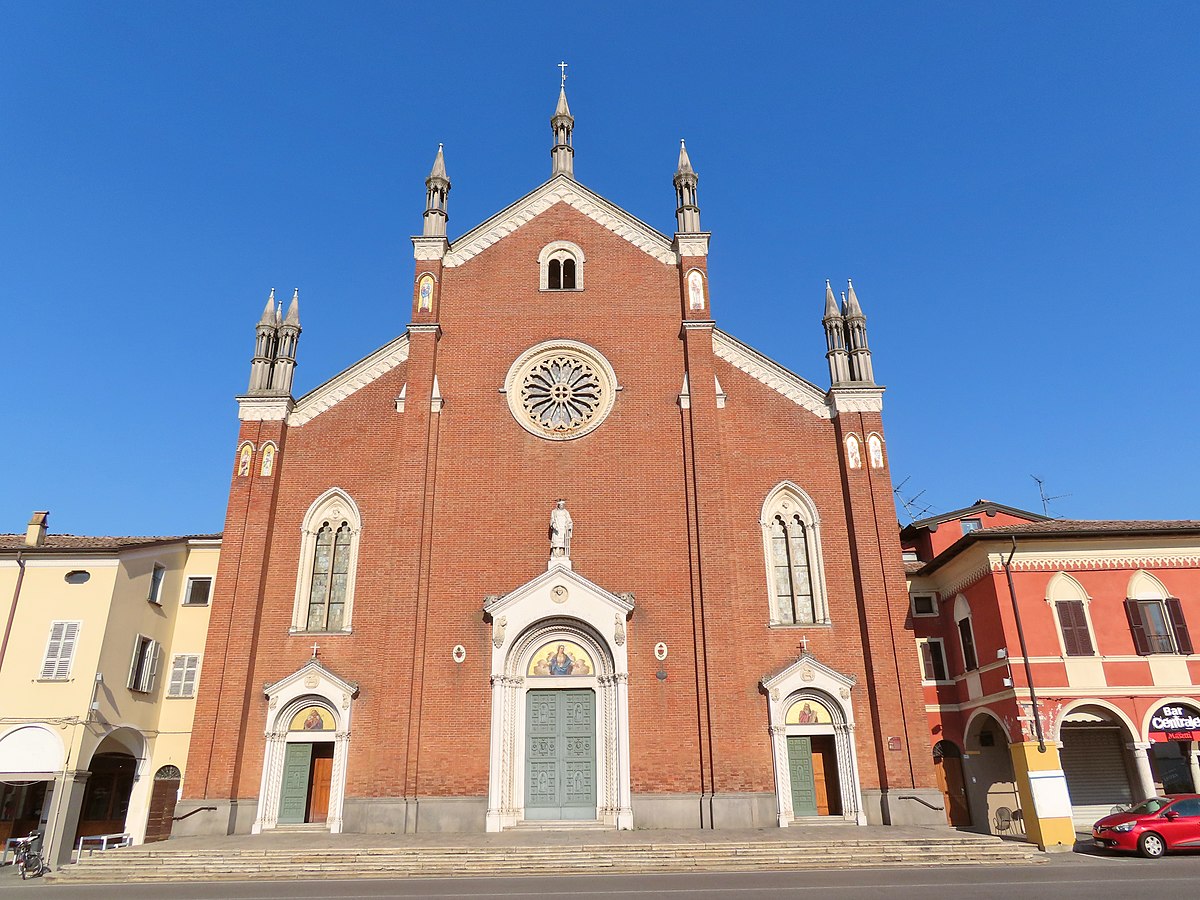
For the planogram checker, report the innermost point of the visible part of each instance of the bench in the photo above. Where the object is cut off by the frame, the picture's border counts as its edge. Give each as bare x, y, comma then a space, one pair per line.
95, 842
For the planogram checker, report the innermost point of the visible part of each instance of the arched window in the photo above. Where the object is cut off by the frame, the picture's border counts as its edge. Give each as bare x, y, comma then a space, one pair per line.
966, 633
561, 266
1070, 601
1156, 618
328, 560
791, 543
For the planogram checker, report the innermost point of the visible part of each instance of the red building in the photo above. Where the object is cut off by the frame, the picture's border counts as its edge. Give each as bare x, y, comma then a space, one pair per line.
711, 632
1104, 609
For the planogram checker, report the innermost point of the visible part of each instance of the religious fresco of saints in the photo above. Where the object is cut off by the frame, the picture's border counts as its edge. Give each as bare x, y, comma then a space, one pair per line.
425, 294
559, 659
311, 718
808, 712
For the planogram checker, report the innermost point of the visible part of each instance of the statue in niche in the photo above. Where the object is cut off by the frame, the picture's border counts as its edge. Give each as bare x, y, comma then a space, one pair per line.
875, 451
853, 454
247, 455
696, 289
561, 527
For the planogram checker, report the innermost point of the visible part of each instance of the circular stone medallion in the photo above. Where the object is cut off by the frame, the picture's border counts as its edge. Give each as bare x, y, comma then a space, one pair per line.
560, 390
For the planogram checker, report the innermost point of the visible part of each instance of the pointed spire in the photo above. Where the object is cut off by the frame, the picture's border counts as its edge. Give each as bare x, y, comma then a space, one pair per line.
685, 163
279, 313
687, 209
437, 193
293, 313
268, 316
439, 165
562, 124
831, 307
851, 304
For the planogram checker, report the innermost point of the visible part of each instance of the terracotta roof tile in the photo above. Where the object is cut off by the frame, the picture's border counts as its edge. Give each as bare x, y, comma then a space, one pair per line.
81, 543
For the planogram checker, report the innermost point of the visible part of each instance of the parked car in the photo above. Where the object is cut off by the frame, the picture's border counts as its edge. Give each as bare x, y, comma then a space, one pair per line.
1152, 827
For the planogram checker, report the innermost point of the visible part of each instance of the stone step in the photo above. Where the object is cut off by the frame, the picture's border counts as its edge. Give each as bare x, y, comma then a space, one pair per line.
162, 864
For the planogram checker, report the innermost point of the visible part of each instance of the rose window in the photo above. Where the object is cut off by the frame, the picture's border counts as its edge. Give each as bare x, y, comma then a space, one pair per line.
560, 390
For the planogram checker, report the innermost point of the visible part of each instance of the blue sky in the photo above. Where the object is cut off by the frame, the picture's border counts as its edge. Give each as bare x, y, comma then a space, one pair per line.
1013, 188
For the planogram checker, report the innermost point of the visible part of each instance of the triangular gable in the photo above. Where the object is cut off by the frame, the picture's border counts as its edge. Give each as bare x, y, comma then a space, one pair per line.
561, 189
494, 605
310, 675
346, 382
808, 666
776, 377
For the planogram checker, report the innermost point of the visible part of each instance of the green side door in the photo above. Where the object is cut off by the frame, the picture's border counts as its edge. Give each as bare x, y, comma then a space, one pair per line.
800, 767
293, 796
560, 755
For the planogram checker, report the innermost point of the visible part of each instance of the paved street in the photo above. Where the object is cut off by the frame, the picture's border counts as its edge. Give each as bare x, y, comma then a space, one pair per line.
1064, 877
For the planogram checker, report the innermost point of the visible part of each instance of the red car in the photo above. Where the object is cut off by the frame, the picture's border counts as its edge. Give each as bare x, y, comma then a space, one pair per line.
1153, 827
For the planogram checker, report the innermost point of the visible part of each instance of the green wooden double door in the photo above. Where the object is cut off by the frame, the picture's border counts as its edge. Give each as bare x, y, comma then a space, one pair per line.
304, 793
812, 765
560, 754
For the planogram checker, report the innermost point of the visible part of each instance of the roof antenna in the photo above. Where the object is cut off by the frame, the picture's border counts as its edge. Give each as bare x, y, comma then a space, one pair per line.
1046, 500
912, 508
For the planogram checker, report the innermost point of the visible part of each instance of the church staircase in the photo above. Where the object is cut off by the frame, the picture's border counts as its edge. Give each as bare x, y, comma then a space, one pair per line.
244, 859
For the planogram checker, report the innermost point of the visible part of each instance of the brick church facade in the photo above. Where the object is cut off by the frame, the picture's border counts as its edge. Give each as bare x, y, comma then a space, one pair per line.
410, 633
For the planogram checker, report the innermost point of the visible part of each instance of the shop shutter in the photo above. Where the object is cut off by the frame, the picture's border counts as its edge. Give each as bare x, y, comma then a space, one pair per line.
1093, 760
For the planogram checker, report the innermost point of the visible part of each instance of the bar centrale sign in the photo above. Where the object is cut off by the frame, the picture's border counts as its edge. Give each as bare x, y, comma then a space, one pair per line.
1175, 722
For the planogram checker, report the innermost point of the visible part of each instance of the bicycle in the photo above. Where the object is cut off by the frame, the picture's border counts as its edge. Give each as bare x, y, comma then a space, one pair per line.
28, 858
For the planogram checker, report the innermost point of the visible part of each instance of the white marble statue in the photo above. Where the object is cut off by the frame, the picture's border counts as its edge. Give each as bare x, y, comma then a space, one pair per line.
560, 530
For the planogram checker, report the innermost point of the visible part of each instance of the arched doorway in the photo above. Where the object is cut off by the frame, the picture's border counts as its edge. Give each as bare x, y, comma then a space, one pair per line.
304, 760
812, 737
991, 784
947, 762
163, 797
106, 795
560, 704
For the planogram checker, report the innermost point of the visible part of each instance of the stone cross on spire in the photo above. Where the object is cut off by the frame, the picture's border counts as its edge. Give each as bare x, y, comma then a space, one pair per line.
563, 67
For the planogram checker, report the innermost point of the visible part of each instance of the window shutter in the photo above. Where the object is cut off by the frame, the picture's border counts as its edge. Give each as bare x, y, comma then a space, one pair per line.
1076, 639
175, 685
60, 650
1183, 640
1140, 642
154, 654
189, 676
131, 683
927, 661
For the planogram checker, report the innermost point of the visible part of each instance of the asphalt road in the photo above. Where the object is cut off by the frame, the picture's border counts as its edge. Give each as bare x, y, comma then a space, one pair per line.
1065, 877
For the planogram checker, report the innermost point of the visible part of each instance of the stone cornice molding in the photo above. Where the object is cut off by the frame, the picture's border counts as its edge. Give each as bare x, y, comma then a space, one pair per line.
692, 244
1090, 563
698, 325
427, 248
345, 383
855, 399
561, 189
964, 581
770, 373
264, 409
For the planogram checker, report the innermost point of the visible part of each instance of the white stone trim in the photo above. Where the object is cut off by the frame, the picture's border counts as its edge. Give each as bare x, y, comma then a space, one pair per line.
806, 678
692, 243
856, 399
781, 493
345, 383
264, 409
561, 189
334, 503
535, 614
567, 248
770, 373
315, 685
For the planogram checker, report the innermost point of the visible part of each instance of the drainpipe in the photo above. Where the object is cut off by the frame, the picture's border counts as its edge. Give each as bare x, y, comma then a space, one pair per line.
12, 612
1012, 593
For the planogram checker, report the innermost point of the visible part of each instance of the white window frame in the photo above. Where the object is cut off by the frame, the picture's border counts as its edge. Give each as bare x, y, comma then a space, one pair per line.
58, 668
187, 590
158, 575
913, 604
186, 687
941, 642
560, 250
142, 678
797, 501
337, 504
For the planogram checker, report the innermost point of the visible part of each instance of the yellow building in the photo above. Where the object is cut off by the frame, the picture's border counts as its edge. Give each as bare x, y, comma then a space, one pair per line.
100, 653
